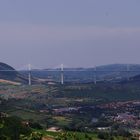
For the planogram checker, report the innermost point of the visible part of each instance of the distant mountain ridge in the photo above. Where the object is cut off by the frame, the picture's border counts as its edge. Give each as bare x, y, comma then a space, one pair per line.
109, 72
112, 72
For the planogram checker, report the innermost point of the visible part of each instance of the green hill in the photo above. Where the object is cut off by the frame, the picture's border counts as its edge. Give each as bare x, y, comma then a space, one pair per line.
9, 73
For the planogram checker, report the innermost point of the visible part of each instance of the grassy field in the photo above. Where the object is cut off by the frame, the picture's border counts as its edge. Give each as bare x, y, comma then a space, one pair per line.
62, 121
28, 115
69, 135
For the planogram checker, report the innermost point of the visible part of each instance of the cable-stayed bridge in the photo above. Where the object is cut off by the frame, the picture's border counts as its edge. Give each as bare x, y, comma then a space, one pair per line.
62, 69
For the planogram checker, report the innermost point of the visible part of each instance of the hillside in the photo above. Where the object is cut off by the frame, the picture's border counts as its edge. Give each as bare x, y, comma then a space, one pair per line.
8, 73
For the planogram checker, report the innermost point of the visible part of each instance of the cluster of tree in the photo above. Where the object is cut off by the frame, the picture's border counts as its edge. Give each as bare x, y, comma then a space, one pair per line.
32, 136
74, 136
110, 136
12, 128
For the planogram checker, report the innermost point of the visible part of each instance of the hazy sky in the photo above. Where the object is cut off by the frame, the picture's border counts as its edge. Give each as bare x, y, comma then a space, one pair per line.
76, 33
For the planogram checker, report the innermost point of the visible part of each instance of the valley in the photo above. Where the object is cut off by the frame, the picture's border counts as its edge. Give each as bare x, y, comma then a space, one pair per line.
107, 109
